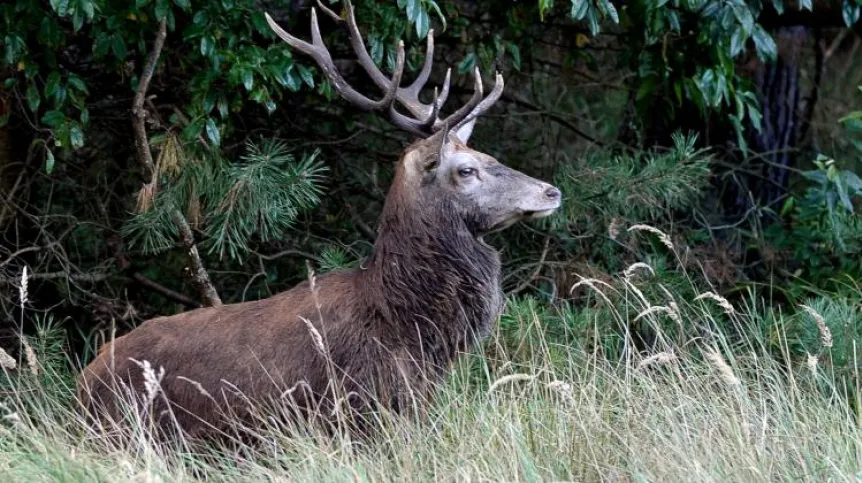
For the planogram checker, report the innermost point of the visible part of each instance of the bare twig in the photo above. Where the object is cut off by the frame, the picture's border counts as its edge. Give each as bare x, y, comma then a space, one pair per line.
165, 291
77, 277
139, 114
520, 101
198, 273
145, 157
363, 227
290, 252
526, 283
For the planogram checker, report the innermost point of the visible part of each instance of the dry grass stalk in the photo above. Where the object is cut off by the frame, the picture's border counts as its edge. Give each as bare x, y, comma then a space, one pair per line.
614, 229
30, 357
316, 337
660, 358
722, 302
564, 389
673, 314
197, 386
812, 364
7, 361
662, 236
510, 378
724, 370
170, 156
591, 282
22, 287
152, 379
630, 271
825, 333
145, 197
194, 213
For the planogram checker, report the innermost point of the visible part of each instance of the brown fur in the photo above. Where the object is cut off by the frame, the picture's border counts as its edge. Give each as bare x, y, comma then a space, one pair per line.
391, 329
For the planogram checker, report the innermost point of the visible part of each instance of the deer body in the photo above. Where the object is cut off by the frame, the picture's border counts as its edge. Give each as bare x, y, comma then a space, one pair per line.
385, 332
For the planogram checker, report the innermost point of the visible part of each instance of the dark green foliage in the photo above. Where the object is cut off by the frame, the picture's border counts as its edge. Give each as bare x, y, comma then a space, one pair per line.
258, 197
632, 186
262, 214
822, 233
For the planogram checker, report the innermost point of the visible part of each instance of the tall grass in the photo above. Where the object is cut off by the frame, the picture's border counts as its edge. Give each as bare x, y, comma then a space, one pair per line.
713, 397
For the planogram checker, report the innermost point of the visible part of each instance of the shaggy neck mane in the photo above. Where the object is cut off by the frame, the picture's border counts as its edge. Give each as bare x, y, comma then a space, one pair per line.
430, 279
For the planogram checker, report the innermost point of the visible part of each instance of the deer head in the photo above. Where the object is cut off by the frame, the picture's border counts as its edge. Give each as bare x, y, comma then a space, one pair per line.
488, 195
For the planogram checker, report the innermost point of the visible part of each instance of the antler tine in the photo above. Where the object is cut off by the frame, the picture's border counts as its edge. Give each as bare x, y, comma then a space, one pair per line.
317, 50
420, 81
424, 118
329, 12
361, 52
456, 117
486, 103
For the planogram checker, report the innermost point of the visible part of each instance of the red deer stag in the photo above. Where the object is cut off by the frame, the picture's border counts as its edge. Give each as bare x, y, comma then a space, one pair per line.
385, 332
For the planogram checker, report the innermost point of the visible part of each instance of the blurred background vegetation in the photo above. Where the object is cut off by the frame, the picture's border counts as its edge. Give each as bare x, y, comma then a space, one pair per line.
734, 126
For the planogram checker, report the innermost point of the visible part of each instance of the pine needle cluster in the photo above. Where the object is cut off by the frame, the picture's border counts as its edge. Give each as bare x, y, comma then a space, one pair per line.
258, 197
605, 186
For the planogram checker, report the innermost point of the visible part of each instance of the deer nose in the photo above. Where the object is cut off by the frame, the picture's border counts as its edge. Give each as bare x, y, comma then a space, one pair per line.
552, 193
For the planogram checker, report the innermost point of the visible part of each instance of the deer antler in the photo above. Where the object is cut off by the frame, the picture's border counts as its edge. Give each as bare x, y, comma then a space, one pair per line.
424, 119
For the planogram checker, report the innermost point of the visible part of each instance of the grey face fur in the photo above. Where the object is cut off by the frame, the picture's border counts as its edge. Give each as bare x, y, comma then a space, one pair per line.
489, 195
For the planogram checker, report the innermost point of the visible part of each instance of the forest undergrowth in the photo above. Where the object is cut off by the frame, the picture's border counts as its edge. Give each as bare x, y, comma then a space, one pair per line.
637, 381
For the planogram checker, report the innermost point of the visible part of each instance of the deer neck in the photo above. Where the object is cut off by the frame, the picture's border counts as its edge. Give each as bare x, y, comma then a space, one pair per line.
430, 272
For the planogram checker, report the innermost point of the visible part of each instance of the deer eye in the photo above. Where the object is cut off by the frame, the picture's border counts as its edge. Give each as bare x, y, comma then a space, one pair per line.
465, 172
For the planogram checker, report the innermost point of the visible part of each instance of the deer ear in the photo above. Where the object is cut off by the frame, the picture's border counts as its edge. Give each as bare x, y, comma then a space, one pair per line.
445, 148
464, 132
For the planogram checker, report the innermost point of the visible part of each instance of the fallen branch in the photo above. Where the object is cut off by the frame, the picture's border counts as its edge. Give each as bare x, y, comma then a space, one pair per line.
199, 275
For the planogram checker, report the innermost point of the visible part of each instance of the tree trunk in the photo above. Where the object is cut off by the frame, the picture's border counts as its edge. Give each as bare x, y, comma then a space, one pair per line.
772, 150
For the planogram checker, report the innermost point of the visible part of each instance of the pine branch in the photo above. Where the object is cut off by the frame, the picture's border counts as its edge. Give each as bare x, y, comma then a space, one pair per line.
145, 157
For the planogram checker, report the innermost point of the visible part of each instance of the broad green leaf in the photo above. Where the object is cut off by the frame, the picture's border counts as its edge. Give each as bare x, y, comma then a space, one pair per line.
422, 23
76, 136
439, 13
853, 182
515, 53
852, 115
755, 117
88, 7
376, 49
201, 18
183, 4
737, 41
53, 118
77, 19
850, 12
61, 7
207, 45
609, 10
843, 196
579, 9
593, 21
412, 8
853, 125
247, 79
779, 6
213, 132
468, 63
118, 46
49, 161
306, 75
805, 5
746, 20
77, 83
764, 44
33, 98
51, 84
